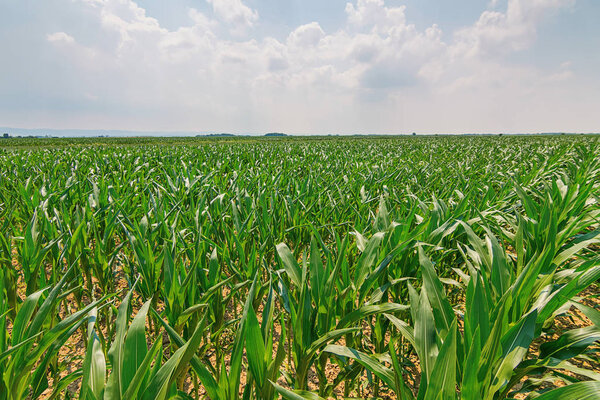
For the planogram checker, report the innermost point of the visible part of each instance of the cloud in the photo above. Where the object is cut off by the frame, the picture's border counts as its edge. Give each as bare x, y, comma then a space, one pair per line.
60, 37
238, 15
496, 32
375, 16
376, 71
126, 17
306, 35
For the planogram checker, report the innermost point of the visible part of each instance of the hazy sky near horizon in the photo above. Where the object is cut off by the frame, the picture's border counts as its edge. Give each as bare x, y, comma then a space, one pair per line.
311, 66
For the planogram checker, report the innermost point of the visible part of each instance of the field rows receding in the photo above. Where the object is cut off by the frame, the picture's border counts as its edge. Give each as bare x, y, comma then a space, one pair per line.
403, 267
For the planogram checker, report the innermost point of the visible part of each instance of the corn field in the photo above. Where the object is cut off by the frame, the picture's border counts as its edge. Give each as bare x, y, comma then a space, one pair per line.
300, 268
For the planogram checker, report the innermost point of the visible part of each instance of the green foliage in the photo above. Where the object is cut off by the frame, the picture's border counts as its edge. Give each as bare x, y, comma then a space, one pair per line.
426, 268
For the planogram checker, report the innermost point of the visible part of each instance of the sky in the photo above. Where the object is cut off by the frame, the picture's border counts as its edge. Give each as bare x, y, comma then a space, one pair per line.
301, 67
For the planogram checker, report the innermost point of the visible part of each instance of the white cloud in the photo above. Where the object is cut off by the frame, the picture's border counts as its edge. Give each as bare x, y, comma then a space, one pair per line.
60, 37
496, 32
377, 71
306, 35
235, 13
126, 17
374, 15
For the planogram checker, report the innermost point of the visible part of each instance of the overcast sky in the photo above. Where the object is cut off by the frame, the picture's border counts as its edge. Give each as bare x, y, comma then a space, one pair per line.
301, 66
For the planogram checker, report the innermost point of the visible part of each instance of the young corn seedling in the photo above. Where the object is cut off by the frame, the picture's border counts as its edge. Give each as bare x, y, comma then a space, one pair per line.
136, 372
35, 340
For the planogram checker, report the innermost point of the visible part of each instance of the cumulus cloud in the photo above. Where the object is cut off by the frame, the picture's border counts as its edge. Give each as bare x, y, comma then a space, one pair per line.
374, 15
497, 32
376, 71
306, 35
238, 15
126, 18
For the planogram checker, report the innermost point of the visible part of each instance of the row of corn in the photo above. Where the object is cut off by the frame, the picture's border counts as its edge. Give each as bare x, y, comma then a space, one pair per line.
394, 268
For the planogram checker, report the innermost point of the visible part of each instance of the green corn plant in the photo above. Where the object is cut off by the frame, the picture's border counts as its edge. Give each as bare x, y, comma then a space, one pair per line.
105, 251
303, 315
435, 344
295, 394
35, 339
556, 357
185, 300
136, 372
75, 224
143, 239
314, 320
489, 358
264, 367
220, 382
33, 251
509, 223
9, 275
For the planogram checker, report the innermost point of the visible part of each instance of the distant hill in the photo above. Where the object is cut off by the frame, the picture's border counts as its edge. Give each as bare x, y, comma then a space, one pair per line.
275, 134
217, 135
14, 132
